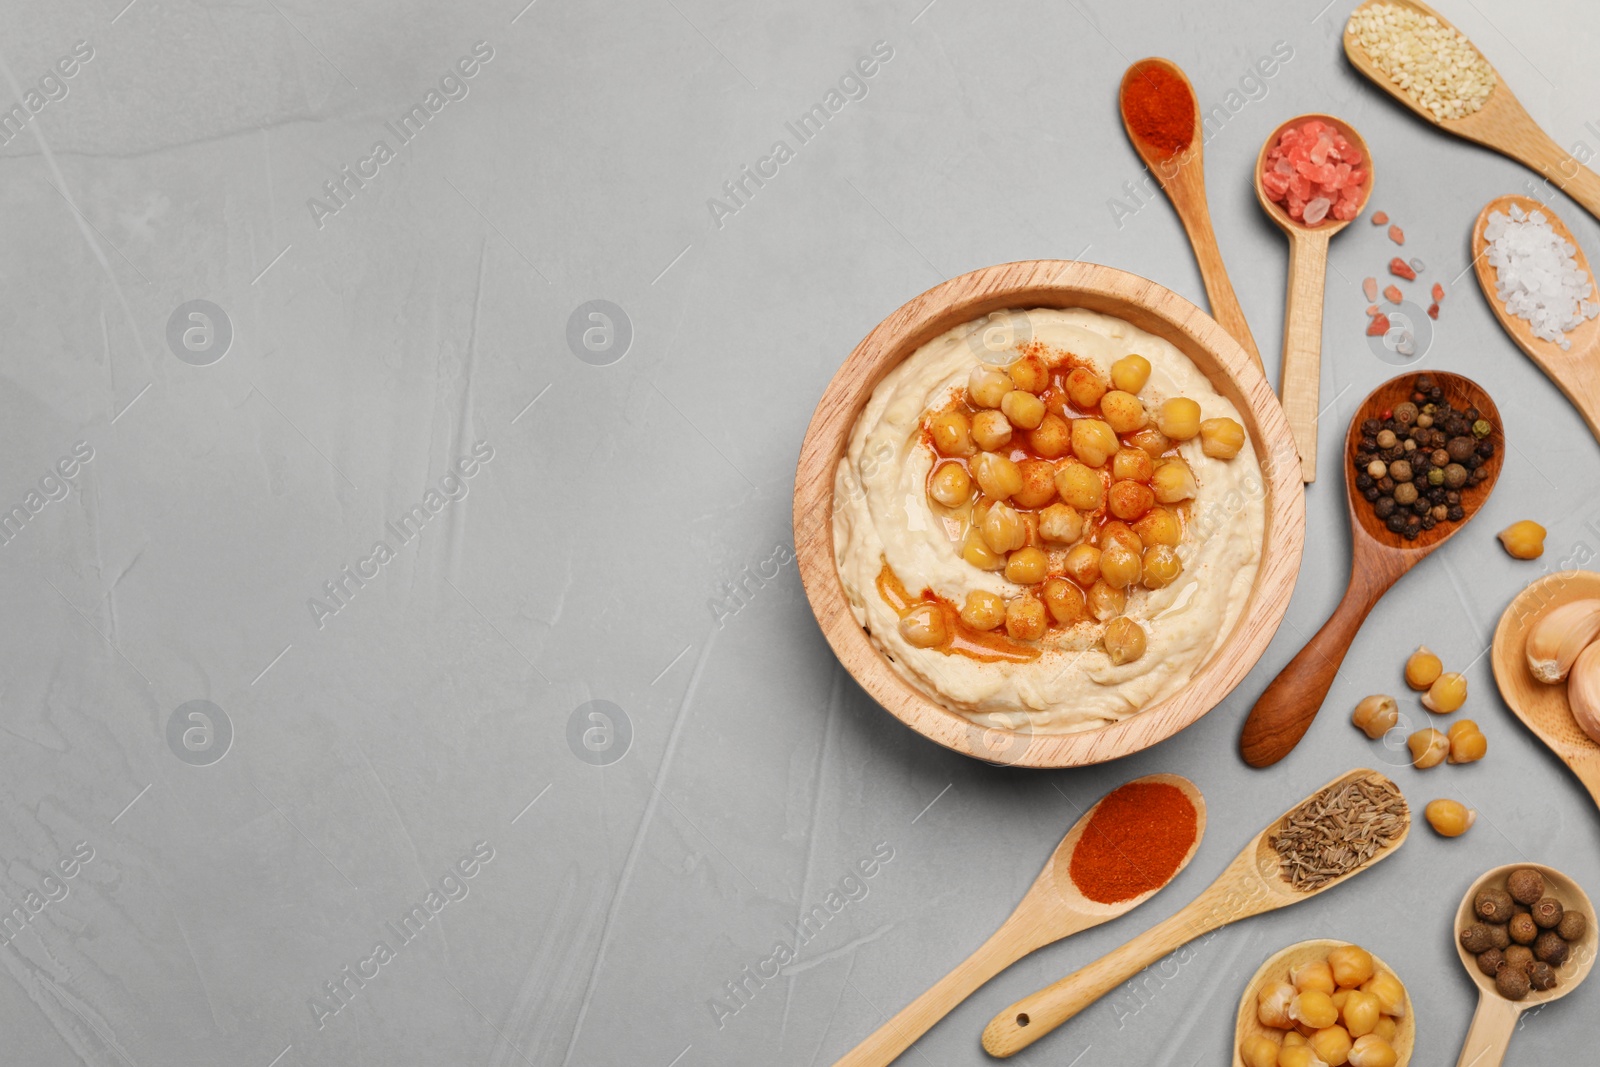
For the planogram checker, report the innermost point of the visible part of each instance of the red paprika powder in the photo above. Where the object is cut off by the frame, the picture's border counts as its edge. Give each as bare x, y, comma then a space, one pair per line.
1160, 109
1135, 841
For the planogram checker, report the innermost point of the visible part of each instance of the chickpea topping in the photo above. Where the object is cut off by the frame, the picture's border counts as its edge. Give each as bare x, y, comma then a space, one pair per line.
952, 434
1079, 486
1023, 409
1159, 527
1117, 532
1179, 418
1123, 411
1428, 748
1025, 618
1131, 464
1124, 640
1030, 374
1151, 440
924, 626
1221, 438
977, 552
1130, 373
1083, 565
1130, 500
1093, 441
1027, 566
1423, 669
1002, 528
1065, 602
1085, 388
1060, 524
991, 430
1106, 603
1172, 481
1053, 437
1161, 566
1447, 693
997, 476
1449, 818
950, 485
1120, 566
986, 386
983, 610
1038, 483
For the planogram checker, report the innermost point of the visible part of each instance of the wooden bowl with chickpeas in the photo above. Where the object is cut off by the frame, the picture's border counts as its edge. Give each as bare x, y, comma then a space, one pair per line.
1053, 284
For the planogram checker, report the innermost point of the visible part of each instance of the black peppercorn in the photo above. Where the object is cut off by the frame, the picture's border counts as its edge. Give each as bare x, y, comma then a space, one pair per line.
1456, 513
1365, 481
1396, 523
1486, 448
1384, 507
1370, 427
1386, 484
1372, 493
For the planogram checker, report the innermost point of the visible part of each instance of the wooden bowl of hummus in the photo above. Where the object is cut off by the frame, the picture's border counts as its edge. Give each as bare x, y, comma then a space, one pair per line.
1048, 513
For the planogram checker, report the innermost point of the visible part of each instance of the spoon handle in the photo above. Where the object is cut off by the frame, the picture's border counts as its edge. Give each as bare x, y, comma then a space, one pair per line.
1535, 148
1284, 713
1187, 191
1301, 379
1007, 945
1490, 1032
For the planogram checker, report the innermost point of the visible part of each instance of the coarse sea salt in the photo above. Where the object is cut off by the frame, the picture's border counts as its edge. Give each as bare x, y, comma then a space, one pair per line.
1537, 274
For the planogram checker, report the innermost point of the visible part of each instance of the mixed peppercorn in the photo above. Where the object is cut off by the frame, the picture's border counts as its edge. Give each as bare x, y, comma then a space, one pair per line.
1413, 462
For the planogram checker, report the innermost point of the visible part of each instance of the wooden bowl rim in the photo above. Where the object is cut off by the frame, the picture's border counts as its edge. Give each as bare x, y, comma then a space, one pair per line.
1508, 656
1248, 1023
1578, 965
1020, 286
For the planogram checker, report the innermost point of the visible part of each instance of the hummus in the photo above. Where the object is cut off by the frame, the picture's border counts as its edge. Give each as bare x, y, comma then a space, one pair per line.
897, 547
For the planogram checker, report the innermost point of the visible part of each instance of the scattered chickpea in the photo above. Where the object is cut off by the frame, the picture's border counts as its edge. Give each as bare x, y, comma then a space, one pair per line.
1123, 411
1428, 748
1052, 438
1447, 693
1085, 388
1106, 603
1423, 669
1038, 483
1060, 524
1093, 441
1161, 566
950, 485
1027, 566
1065, 602
1120, 566
1179, 418
991, 430
1124, 640
924, 626
997, 475
952, 434
1130, 373
1221, 438
1129, 499
1131, 464
986, 386
1082, 565
1025, 618
1080, 486
1151, 440
1030, 374
1524, 540
1122, 533
1023, 409
1159, 527
983, 610
1449, 818
1002, 528
1467, 743
1375, 716
978, 553
1173, 481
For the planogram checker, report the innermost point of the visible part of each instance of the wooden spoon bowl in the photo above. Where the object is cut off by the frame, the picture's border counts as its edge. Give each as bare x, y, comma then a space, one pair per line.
1277, 969
1380, 557
1496, 1018
1300, 381
1501, 124
1052, 909
1576, 369
1543, 708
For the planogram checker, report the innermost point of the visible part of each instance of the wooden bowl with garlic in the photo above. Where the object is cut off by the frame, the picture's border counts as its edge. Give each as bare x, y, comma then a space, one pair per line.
1547, 665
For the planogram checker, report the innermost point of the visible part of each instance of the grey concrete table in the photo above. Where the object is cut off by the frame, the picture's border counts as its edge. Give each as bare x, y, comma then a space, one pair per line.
404, 659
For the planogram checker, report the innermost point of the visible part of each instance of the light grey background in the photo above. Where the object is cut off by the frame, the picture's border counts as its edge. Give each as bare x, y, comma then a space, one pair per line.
372, 752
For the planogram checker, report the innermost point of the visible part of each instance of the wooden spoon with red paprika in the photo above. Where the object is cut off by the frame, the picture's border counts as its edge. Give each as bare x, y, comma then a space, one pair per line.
1134, 841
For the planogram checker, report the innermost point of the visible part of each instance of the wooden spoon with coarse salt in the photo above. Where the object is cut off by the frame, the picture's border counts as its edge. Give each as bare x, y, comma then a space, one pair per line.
1052, 909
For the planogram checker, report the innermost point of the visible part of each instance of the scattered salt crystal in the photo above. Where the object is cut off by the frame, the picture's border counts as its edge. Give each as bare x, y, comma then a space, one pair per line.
1397, 235
1537, 275
1393, 295
1380, 218
1370, 287
1438, 293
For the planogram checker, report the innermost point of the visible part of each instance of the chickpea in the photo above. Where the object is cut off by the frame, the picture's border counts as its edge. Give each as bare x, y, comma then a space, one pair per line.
1332, 1044
1060, 524
1023, 409
1002, 529
1375, 716
1314, 1008
1093, 441
991, 430
1259, 1050
1131, 464
1423, 668
1083, 565
1172, 481
1129, 500
1130, 373
1052, 438
1524, 539
1085, 388
1467, 743
1428, 748
1123, 411
1318, 975
986, 387
1030, 374
997, 476
1038, 483
952, 434
1449, 818
1159, 527
1447, 693
1106, 603
1360, 1013
1079, 486
977, 552
1221, 438
950, 485
983, 610
1373, 1050
1124, 640
1390, 993
1065, 602
1151, 440
1179, 418
1121, 533
1161, 566
1027, 566
1120, 566
924, 626
1025, 618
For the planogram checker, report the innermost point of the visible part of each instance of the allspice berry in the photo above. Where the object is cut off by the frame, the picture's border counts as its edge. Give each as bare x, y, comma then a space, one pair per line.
1491, 961
1547, 912
1476, 939
1512, 982
1551, 949
1495, 906
1526, 885
1573, 926
1518, 957
1499, 937
1522, 929
1542, 976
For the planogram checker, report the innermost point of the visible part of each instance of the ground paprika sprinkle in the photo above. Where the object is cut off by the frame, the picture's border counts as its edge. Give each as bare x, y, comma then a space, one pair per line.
1160, 110
1134, 842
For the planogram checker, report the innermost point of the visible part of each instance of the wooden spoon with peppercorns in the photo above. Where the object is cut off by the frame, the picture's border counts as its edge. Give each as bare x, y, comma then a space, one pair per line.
1381, 555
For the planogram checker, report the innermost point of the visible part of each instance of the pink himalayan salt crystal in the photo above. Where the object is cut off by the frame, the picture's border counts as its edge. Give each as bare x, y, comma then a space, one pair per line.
1314, 172
1380, 218
1370, 287
1438, 294
1393, 294
1397, 235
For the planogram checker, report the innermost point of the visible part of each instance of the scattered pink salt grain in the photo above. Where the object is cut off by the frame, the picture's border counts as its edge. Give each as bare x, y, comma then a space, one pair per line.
1401, 269
1438, 296
1433, 309
1315, 173
1380, 218
1379, 325
1393, 294
1372, 309
1397, 235
1370, 287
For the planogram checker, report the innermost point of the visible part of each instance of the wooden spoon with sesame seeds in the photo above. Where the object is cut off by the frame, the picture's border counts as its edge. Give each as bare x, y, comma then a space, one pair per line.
1501, 123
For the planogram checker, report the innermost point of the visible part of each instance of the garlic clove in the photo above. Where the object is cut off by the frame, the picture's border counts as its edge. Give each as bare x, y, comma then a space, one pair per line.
1555, 640
1583, 690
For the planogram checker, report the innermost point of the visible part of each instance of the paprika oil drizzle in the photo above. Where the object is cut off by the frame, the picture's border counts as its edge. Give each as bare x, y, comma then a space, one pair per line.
984, 646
